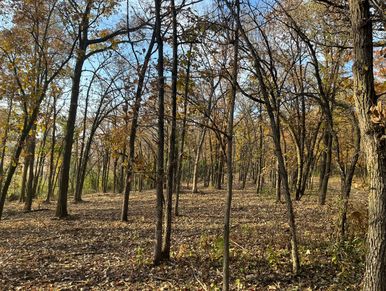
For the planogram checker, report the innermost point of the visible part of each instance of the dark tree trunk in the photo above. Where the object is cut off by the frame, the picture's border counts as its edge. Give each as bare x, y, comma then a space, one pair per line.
133, 131
4, 140
61, 207
326, 166
229, 137
161, 139
374, 144
51, 175
172, 141
24, 179
183, 132
260, 174
31, 161
271, 106
197, 160
28, 124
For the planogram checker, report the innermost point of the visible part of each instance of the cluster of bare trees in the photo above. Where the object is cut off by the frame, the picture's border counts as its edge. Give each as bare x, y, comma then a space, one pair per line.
173, 94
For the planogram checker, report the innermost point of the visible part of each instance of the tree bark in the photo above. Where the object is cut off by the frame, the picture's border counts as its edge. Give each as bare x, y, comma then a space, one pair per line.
374, 144
161, 139
197, 160
61, 207
133, 131
24, 180
229, 137
172, 141
183, 132
51, 175
31, 173
326, 164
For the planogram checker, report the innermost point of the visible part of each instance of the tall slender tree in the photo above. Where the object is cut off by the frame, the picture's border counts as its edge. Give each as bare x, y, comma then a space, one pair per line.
229, 136
161, 137
172, 139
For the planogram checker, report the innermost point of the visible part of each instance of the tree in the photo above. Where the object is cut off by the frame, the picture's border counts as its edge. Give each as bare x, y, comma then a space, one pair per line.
43, 67
172, 139
374, 143
84, 42
232, 98
161, 137
134, 125
271, 100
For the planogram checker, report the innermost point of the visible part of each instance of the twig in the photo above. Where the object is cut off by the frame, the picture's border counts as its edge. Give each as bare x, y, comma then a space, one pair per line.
198, 280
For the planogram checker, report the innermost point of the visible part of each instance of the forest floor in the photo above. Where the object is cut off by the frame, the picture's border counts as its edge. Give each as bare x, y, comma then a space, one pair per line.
93, 250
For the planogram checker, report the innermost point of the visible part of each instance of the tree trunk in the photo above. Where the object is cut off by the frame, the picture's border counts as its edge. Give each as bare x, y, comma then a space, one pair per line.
197, 159
31, 176
183, 132
278, 174
374, 145
28, 124
327, 157
133, 131
51, 175
61, 207
161, 139
4, 140
271, 106
172, 141
232, 99
24, 179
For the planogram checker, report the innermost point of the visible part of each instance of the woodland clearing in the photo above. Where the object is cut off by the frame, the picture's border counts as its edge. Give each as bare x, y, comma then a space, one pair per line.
93, 250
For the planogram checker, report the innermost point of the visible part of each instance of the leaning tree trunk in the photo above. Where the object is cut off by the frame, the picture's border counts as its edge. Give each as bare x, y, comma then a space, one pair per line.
374, 144
28, 124
271, 107
133, 131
